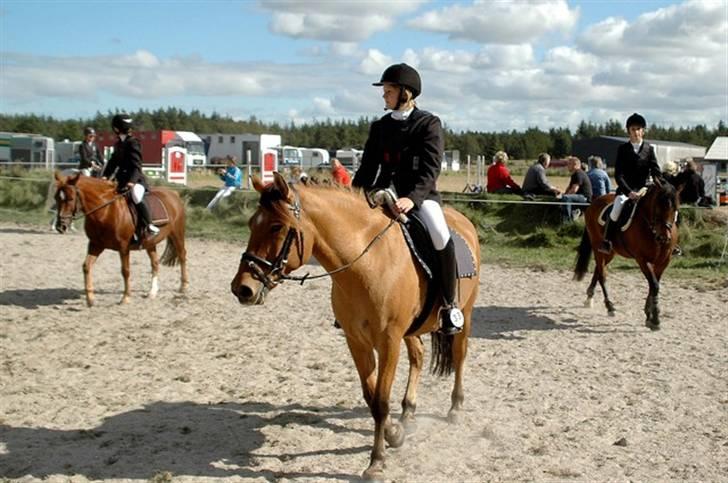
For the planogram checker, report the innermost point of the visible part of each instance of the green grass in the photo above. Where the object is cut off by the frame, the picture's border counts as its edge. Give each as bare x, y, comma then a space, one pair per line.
514, 235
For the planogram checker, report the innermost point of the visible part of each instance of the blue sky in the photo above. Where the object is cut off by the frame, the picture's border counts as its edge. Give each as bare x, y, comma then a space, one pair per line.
486, 65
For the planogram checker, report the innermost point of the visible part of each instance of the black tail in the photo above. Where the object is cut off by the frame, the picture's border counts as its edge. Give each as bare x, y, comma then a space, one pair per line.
442, 359
583, 257
170, 256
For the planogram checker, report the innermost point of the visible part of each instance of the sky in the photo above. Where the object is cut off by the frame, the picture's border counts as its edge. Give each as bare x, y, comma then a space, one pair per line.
486, 65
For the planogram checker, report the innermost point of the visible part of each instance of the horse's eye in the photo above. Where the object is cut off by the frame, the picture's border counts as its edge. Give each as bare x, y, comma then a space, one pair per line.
276, 228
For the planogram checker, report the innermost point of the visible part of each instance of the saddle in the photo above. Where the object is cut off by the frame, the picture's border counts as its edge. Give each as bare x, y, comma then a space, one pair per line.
157, 210
625, 218
420, 245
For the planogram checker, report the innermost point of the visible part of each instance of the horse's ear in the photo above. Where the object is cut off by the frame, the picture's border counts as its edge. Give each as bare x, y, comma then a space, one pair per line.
258, 184
280, 183
57, 175
74, 179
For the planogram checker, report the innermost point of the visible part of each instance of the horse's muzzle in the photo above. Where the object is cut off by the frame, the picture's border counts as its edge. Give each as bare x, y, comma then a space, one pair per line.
247, 295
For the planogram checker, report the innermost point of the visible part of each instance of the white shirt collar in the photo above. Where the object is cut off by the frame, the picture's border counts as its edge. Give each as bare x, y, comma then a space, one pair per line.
402, 115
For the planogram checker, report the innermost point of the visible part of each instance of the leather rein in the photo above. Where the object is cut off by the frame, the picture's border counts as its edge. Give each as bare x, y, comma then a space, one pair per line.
77, 202
272, 273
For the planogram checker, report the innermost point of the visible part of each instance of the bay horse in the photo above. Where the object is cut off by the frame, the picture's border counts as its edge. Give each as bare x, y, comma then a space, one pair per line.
108, 224
376, 292
650, 240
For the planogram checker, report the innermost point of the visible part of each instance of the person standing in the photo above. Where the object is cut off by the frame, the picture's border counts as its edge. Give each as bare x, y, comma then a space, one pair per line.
599, 179
499, 178
635, 162
126, 161
91, 161
339, 174
232, 179
693, 185
404, 150
535, 182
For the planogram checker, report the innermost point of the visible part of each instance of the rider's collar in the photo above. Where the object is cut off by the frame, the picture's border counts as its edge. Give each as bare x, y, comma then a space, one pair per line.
402, 115
123, 136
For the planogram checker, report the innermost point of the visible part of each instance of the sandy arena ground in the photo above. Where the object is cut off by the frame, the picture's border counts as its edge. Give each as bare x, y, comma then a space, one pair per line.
199, 388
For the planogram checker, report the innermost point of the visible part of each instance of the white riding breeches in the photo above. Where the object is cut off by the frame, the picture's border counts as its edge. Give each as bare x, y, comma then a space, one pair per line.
137, 193
434, 218
619, 201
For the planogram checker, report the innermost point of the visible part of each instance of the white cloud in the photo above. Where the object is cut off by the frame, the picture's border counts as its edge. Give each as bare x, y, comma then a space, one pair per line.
334, 21
374, 63
486, 21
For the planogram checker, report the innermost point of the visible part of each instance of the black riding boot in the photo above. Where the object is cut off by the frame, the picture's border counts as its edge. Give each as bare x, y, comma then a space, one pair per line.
145, 221
451, 318
610, 229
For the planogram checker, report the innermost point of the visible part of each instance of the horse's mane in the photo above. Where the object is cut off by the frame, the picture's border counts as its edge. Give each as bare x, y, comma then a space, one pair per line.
335, 195
666, 194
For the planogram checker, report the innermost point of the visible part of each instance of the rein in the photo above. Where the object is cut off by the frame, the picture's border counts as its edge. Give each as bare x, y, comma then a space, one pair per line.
653, 224
78, 202
259, 265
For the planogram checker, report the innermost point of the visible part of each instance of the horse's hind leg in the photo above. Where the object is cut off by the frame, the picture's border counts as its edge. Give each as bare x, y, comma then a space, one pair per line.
416, 355
600, 272
154, 259
589, 302
178, 240
92, 254
125, 272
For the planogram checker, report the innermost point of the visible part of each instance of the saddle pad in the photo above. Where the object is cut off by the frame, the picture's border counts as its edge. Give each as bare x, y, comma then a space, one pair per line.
625, 218
158, 211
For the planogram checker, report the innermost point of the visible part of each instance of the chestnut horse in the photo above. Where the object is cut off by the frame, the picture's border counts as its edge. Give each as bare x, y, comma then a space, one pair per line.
376, 293
108, 225
650, 240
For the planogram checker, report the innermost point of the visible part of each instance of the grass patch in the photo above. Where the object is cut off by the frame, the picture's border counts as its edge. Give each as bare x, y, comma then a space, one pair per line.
511, 234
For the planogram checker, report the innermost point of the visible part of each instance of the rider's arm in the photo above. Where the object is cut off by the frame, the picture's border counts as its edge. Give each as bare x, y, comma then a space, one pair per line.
430, 156
370, 160
619, 169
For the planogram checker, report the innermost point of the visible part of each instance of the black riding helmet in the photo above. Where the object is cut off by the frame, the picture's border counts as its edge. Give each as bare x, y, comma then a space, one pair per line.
121, 123
636, 120
89, 130
403, 75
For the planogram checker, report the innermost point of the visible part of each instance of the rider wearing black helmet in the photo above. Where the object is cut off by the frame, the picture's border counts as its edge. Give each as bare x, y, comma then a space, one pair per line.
91, 160
404, 151
635, 162
127, 161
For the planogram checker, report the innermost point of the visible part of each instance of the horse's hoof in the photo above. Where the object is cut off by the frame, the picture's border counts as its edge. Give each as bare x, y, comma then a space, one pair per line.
89, 302
652, 325
394, 434
611, 313
589, 303
375, 472
453, 417
409, 423
124, 301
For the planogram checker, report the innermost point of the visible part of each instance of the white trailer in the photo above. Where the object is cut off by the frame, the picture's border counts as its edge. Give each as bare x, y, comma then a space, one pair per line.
247, 148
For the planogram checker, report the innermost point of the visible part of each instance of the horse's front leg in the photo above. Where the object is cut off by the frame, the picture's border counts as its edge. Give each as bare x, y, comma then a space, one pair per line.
652, 309
589, 302
388, 351
416, 355
154, 259
92, 253
459, 351
125, 271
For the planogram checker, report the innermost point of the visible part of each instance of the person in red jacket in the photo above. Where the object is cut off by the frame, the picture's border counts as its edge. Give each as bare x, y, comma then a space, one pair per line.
499, 178
339, 173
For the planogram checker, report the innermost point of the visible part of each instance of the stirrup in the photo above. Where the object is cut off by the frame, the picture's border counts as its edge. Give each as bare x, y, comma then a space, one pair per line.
153, 229
451, 320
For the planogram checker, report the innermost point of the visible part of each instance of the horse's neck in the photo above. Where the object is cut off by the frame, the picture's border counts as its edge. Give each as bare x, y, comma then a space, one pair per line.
342, 226
94, 193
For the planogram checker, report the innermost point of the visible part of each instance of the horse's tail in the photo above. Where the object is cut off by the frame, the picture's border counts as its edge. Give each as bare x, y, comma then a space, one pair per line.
442, 358
583, 257
170, 257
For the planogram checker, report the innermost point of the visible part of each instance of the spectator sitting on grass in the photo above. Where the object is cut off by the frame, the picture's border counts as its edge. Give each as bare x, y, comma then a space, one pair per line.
536, 182
579, 190
499, 178
600, 183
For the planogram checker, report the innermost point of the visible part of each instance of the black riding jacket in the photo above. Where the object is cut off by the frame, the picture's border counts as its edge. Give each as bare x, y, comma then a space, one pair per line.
89, 154
632, 169
403, 154
127, 157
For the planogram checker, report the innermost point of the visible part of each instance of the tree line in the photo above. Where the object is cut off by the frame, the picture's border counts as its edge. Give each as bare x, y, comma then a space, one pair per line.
336, 134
